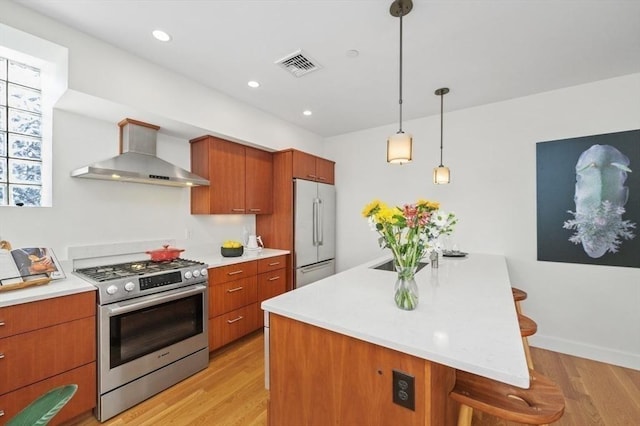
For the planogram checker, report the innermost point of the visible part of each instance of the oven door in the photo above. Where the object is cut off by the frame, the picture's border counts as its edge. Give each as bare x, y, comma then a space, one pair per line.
139, 336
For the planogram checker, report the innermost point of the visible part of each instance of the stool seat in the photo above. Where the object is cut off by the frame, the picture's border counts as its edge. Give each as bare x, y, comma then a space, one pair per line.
542, 403
518, 295
528, 327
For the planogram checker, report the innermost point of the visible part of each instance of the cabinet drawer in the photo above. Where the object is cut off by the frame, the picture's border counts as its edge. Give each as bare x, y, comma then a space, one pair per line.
272, 263
34, 315
232, 272
271, 284
232, 295
40, 354
233, 325
83, 401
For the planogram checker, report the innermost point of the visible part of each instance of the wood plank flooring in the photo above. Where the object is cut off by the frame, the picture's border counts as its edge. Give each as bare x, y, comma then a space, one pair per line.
230, 392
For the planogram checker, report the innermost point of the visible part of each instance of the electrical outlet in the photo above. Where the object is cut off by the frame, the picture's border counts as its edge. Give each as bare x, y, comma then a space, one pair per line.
404, 390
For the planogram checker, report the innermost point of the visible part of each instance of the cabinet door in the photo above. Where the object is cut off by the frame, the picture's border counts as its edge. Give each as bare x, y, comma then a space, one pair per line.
231, 295
259, 181
325, 171
37, 355
83, 400
227, 176
304, 165
270, 284
231, 326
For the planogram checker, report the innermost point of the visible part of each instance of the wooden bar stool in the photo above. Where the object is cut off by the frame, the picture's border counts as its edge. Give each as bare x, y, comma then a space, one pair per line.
528, 327
541, 404
518, 296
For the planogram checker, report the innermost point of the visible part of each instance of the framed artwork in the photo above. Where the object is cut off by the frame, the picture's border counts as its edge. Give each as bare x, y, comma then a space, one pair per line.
588, 199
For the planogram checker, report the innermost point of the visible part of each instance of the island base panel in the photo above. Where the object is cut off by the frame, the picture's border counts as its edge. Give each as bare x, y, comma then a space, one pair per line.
319, 377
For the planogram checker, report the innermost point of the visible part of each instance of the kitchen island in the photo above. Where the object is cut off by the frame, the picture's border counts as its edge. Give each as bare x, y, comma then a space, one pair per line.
333, 346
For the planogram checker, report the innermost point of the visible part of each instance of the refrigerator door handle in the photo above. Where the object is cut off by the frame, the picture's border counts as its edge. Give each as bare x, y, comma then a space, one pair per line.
316, 267
319, 222
315, 222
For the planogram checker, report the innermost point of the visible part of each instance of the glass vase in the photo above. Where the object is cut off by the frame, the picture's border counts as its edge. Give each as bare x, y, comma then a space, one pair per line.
406, 289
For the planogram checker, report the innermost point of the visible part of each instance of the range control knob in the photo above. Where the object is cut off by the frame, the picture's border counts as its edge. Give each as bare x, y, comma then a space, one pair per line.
112, 289
129, 286
196, 273
204, 272
188, 275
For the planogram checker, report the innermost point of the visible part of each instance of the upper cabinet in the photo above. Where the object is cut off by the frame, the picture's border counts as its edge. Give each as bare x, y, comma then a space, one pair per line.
310, 167
241, 178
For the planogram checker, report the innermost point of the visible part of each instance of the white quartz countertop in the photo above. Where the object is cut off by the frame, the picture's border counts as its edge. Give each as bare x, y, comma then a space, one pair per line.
73, 284
465, 318
212, 257
56, 288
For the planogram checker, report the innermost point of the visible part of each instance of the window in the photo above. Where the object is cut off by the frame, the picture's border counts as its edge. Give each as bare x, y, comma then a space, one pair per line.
20, 134
33, 76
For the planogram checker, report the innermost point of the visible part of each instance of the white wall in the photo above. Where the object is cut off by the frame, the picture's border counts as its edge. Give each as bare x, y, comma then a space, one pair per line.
107, 82
586, 310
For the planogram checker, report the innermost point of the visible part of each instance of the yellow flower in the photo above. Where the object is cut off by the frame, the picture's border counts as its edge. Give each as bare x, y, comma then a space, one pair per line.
429, 205
387, 215
373, 207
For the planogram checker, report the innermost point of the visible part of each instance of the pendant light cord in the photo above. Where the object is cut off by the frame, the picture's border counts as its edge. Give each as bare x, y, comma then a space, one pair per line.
441, 125
400, 88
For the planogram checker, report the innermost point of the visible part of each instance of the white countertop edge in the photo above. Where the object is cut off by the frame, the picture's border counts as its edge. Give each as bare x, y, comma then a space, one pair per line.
213, 258
56, 288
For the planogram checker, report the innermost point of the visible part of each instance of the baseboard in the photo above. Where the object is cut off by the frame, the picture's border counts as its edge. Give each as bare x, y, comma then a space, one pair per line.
579, 349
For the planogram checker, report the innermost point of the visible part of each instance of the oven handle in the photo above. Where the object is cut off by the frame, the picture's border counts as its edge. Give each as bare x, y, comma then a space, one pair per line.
123, 308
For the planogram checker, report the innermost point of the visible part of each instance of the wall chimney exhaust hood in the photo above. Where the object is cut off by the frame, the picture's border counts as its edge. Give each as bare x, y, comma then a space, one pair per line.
137, 161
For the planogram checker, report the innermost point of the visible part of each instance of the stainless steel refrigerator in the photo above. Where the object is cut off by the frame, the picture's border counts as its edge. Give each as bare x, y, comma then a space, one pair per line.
314, 231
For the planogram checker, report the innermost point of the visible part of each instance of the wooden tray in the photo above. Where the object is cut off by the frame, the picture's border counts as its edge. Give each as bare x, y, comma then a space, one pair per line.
23, 284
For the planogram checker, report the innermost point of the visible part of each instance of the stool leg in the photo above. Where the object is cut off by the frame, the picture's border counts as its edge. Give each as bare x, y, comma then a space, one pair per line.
518, 308
464, 415
527, 352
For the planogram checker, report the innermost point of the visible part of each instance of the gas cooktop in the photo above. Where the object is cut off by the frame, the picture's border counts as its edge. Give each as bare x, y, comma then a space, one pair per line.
130, 280
129, 269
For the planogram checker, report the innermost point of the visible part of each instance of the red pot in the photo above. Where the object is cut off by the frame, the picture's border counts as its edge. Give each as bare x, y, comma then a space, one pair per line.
164, 254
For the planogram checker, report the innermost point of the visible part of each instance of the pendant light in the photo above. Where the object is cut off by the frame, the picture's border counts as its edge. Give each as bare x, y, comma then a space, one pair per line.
441, 173
400, 145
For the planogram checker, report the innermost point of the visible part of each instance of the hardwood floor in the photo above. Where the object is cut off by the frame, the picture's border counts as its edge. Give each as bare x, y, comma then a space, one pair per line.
231, 392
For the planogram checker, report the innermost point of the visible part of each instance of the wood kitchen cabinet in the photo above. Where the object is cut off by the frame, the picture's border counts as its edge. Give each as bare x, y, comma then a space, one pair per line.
240, 178
235, 294
276, 229
46, 344
309, 167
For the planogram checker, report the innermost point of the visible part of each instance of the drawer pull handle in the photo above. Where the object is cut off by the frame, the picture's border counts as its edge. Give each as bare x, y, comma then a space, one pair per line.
1, 323
274, 263
232, 290
235, 272
322, 178
312, 176
277, 277
237, 210
1, 355
1, 413
255, 210
235, 320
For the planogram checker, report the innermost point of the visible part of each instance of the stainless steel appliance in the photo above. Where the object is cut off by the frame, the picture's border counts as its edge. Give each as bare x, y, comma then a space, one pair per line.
314, 231
151, 327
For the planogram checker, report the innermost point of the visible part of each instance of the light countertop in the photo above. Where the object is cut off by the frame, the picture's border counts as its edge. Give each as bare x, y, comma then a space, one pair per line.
465, 318
73, 284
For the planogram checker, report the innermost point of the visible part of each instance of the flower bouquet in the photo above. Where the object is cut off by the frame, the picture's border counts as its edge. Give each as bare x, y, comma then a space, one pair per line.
410, 232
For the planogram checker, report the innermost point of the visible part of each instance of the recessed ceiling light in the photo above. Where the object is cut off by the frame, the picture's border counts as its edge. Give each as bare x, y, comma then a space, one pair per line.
161, 35
307, 112
253, 84
353, 53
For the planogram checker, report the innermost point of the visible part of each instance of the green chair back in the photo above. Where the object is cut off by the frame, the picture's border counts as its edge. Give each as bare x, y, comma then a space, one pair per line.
43, 409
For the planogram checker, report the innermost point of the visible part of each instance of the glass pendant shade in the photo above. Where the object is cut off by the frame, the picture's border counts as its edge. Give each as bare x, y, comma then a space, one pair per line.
400, 148
441, 175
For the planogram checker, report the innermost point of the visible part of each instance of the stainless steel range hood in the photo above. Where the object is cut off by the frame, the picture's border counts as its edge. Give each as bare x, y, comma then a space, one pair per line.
137, 161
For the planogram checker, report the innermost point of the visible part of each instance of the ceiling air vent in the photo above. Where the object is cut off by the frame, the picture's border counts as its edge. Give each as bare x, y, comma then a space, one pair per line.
298, 63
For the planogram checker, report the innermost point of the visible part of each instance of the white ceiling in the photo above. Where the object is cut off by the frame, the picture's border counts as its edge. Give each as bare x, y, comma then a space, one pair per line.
484, 51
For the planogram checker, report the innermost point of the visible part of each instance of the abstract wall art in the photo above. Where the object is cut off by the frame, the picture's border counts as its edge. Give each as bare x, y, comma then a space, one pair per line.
588, 199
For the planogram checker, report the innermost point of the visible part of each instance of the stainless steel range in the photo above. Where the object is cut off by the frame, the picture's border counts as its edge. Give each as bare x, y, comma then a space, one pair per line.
152, 328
